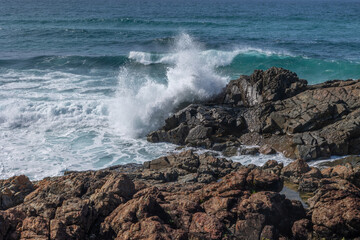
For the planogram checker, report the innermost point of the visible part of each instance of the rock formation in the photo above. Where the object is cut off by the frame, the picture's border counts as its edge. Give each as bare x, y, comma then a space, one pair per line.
185, 196
276, 108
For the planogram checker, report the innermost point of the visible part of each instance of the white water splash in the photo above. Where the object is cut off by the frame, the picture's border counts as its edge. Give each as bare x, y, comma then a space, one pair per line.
140, 109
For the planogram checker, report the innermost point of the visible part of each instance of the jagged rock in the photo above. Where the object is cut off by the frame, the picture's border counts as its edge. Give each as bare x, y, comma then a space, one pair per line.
187, 167
277, 109
346, 171
273, 166
205, 227
68, 207
302, 229
353, 160
188, 196
14, 190
270, 85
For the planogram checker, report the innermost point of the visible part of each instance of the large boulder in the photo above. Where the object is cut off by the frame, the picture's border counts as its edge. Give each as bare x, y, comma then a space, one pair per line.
335, 210
263, 86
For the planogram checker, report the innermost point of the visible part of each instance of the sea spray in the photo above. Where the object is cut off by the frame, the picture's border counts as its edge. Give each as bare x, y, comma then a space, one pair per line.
138, 110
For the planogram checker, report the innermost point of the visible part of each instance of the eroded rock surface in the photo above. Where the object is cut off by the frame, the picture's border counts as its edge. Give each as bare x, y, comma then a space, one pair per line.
180, 196
185, 196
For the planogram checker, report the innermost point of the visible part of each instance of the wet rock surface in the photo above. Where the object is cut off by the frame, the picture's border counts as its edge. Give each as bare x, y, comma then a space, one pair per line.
276, 109
185, 196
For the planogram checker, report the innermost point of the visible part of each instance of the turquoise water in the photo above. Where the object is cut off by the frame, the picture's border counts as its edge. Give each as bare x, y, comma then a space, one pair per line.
82, 82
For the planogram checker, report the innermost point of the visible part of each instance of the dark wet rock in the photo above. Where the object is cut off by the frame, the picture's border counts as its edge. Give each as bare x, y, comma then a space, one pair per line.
353, 160
230, 151
263, 86
276, 109
249, 151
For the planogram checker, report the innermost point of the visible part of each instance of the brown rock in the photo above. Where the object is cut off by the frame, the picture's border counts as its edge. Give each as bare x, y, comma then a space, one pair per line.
302, 229
336, 209
35, 228
266, 150
295, 170
205, 225
14, 190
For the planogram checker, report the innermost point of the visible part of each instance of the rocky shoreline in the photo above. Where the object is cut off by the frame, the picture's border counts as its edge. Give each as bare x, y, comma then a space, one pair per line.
185, 196
274, 109
196, 196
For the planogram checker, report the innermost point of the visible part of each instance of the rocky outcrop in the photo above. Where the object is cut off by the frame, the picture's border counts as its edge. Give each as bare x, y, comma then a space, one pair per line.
180, 196
263, 86
273, 108
186, 196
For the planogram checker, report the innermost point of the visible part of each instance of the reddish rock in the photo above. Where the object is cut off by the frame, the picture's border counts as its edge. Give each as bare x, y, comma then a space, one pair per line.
336, 209
240, 202
268, 232
207, 226
295, 170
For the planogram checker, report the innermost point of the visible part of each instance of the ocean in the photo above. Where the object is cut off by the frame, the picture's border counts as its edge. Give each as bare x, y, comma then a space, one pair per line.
82, 82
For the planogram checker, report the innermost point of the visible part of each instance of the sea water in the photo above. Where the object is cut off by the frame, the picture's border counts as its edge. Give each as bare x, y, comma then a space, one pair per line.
82, 82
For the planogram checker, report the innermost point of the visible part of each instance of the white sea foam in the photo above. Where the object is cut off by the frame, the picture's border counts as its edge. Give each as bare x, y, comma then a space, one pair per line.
46, 129
136, 111
211, 57
141, 57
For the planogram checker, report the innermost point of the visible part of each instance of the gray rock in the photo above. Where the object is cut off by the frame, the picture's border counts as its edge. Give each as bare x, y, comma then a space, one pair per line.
273, 108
